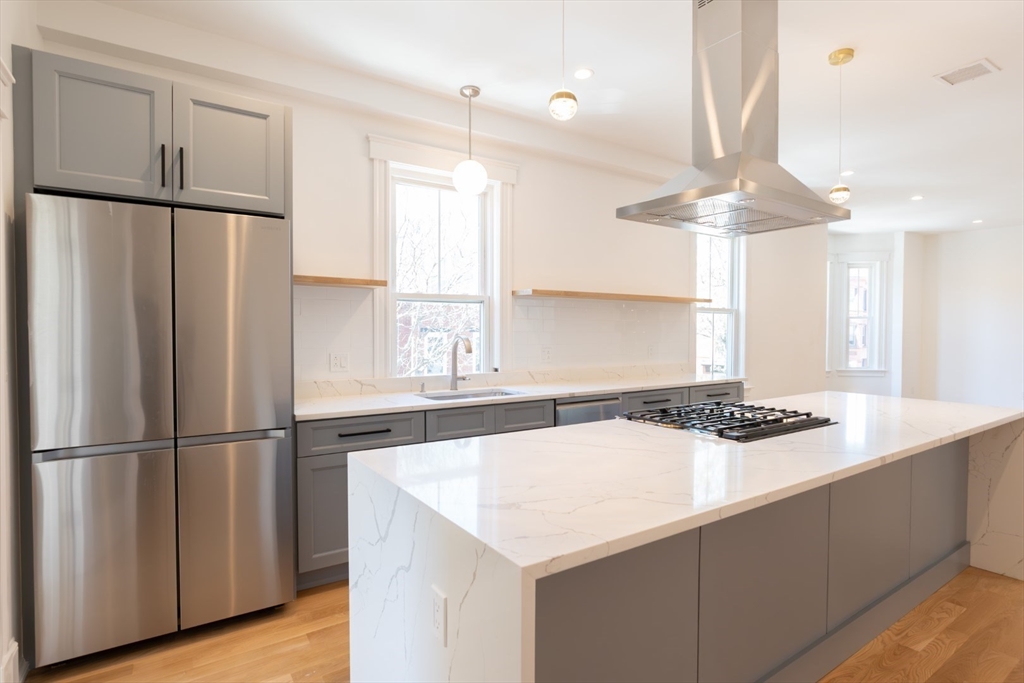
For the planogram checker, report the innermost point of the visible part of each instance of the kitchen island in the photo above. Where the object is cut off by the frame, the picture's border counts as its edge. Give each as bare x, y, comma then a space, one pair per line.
583, 552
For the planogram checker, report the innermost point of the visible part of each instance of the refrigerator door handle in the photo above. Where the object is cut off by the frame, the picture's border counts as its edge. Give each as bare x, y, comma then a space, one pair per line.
231, 437
108, 449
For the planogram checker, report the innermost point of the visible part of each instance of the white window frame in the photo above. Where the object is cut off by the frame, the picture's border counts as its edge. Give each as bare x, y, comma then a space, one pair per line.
388, 153
837, 335
412, 175
733, 361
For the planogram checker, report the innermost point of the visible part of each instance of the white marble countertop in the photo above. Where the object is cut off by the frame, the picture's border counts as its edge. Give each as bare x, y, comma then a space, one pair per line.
556, 498
399, 402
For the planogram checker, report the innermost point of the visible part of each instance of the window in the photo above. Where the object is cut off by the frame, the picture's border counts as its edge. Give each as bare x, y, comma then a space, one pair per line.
856, 314
716, 322
440, 274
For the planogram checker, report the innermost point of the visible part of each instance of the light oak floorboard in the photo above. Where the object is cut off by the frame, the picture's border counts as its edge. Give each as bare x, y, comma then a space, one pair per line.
971, 629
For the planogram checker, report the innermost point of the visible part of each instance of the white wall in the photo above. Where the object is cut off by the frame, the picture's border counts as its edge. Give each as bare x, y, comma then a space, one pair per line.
973, 322
785, 311
16, 26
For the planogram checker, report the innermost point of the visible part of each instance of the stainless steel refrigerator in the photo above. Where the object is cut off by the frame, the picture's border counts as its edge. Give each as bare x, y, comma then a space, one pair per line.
161, 405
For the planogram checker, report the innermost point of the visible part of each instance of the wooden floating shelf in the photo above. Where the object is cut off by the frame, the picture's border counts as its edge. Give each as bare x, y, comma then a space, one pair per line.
337, 281
563, 294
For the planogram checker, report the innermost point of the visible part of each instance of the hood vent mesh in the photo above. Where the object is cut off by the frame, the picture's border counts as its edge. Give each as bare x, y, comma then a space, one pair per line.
701, 4
720, 216
980, 68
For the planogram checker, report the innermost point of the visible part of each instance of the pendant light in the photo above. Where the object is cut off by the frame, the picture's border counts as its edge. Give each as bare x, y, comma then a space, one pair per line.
840, 193
563, 104
470, 176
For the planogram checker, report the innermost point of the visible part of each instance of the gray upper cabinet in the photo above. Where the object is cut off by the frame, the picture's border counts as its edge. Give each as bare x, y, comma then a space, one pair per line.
99, 129
228, 151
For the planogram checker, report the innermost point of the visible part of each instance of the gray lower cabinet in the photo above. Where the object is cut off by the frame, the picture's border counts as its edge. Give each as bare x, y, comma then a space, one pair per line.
644, 400
631, 616
359, 433
869, 538
460, 423
100, 129
229, 150
515, 417
717, 392
938, 513
763, 587
323, 511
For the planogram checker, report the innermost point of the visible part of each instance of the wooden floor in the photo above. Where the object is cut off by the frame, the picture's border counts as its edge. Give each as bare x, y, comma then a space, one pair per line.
971, 630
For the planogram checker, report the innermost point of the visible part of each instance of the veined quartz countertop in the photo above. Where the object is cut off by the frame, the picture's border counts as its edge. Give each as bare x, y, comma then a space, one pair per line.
556, 498
377, 403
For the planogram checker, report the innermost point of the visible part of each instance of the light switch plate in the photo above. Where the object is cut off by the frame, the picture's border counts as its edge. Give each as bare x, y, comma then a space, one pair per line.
439, 616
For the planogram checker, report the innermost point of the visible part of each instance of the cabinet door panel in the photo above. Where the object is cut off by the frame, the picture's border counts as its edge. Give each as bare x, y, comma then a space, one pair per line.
99, 129
459, 423
323, 511
228, 151
763, 587
938, 516
869, 538
651, 400
514, 417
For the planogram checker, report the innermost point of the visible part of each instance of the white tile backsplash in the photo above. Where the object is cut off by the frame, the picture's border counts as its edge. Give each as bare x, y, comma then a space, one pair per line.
332, 320
546, 333
584, 333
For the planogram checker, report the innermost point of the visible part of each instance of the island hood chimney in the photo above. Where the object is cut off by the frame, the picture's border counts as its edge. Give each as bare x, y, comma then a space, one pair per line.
735, 186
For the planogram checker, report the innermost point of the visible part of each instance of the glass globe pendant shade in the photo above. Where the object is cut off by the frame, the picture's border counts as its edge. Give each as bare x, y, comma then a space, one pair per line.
563, 105
469, 177
837, 195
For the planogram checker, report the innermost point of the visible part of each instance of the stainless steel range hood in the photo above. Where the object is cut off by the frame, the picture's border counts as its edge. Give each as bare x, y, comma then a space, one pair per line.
736, 185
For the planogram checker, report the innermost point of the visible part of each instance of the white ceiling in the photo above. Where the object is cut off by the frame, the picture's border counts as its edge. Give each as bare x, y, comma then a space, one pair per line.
960, 147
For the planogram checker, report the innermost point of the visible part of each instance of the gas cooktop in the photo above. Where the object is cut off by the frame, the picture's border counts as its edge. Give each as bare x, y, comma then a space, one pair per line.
736, 421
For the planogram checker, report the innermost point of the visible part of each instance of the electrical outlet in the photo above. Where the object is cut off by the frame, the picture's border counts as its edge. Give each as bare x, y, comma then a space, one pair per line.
339, 362
439, 616
545, 354
650, 352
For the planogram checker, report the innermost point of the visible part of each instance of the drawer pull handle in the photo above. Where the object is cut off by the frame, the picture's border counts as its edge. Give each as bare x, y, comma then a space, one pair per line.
163, 165
721, 393
371, 432
181, 169
660, 400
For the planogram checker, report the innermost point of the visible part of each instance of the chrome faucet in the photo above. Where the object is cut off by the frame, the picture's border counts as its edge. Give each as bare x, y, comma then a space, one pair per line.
455, 359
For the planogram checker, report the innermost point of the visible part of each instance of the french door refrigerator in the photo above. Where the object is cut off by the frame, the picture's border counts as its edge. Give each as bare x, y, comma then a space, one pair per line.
160, 393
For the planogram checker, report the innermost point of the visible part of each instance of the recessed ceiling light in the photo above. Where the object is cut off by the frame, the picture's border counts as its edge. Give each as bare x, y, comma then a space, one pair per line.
916, 198
584, 74
846, 174
977, 221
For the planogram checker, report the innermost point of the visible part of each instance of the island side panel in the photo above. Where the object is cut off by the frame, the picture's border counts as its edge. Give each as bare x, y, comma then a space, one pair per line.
629, 616
995, 500
400, 550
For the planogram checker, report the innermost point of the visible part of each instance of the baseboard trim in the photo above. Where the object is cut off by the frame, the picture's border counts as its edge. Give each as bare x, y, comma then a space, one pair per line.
320, 577
10, 666
836, 647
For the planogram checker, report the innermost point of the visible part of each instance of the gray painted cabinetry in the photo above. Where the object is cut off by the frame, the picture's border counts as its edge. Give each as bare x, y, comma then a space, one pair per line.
649, 400
103, 130
323, 511
938, 513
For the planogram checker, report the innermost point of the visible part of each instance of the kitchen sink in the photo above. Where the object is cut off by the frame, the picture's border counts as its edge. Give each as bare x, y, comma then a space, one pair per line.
468, 393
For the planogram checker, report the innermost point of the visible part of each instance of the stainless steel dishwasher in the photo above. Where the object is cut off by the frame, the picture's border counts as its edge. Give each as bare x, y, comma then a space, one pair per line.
577, 410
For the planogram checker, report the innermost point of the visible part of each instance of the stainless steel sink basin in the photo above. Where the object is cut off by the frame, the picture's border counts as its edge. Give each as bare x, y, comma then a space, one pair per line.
490, 392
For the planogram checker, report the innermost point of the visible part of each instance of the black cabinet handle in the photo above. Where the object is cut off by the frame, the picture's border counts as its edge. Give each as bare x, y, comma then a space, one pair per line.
163, 165
721, 393
181, 185
660, 400
386, 430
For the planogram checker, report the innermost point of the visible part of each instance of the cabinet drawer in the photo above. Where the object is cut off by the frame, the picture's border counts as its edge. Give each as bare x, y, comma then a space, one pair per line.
459, 423
513, 417
717, 392
359, 433
648, 400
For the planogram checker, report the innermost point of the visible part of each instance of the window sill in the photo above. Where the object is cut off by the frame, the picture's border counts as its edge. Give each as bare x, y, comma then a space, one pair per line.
860, 373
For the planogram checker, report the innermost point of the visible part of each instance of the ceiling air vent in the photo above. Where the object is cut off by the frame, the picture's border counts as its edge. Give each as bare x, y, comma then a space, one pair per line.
703, 3
977, 69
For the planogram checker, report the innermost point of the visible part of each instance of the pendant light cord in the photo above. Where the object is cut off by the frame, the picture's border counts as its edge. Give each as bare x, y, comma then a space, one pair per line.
563, 44
840, 123
470, 127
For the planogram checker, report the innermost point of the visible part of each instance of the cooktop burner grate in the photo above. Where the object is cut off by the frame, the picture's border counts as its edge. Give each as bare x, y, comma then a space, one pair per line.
736, 421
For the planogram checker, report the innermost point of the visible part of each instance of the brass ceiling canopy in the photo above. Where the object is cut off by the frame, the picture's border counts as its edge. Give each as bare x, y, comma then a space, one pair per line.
843, 55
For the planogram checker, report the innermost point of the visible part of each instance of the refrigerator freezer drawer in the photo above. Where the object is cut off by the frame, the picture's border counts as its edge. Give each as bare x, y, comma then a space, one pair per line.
236, 528
99, 316
103, 551
233, 325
